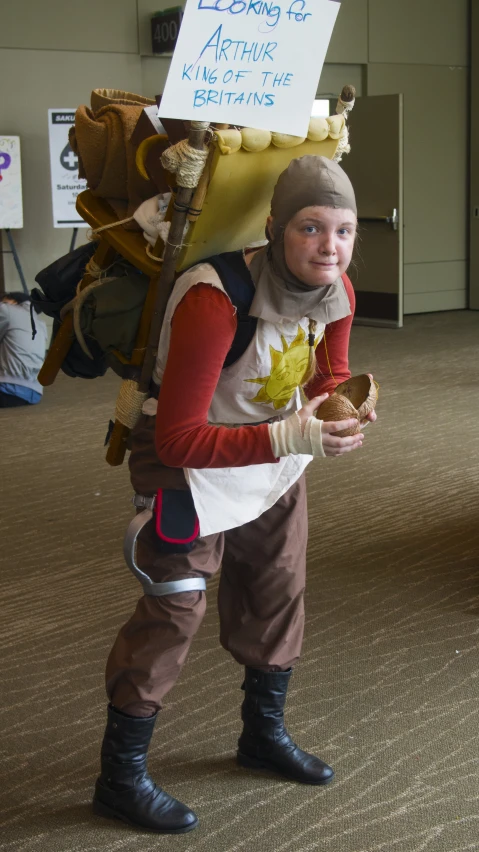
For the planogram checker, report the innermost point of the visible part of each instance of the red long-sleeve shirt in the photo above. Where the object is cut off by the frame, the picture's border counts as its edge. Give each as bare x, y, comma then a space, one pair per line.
202, 331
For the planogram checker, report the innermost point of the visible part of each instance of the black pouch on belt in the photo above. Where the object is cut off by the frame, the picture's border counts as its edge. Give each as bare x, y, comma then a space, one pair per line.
176, 521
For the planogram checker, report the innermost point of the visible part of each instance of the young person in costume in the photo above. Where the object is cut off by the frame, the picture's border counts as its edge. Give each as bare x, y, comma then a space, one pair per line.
245, 484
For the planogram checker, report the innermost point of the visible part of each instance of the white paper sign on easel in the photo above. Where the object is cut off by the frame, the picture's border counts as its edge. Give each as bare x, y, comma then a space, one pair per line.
11, 207
66, 184
249, 62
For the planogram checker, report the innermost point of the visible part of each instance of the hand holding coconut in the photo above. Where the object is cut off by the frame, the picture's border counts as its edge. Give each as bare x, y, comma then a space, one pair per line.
337, 436
355, 398
303, 433
351, 405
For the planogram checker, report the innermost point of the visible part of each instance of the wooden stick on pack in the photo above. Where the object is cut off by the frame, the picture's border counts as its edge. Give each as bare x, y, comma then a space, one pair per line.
184, 195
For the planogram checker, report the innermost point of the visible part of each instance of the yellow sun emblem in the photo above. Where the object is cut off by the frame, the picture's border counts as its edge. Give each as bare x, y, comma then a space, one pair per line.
287, 371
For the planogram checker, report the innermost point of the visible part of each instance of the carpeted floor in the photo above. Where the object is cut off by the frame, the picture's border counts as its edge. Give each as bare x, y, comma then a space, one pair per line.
388, 687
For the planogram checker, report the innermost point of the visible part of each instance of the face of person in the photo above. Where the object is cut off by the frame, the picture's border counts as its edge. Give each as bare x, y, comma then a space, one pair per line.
319, 243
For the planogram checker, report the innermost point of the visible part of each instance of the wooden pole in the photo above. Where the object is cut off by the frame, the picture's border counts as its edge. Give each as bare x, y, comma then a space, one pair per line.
119, 436
167, 277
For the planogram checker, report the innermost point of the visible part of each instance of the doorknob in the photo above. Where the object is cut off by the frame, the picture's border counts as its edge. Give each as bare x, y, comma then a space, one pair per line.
390, 220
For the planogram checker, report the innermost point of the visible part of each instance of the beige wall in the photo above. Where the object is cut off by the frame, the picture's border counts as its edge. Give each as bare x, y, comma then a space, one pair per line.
435, 181
474, 185
53, 56
53, 53
420, 48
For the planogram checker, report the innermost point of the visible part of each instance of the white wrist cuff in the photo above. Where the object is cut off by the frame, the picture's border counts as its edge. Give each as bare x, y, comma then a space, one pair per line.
287, 438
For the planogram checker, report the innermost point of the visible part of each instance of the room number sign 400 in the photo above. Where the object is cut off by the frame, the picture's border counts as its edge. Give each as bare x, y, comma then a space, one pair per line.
164, 30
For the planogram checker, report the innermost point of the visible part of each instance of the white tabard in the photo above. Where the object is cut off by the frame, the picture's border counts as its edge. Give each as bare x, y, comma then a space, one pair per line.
263, 384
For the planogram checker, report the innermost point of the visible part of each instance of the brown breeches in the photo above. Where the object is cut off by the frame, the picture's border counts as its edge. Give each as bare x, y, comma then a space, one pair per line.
260, 603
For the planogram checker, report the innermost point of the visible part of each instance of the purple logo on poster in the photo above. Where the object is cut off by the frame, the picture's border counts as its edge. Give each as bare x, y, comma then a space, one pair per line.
5, 160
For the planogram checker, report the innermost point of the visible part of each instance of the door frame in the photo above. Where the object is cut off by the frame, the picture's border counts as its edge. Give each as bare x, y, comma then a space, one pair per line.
366, 320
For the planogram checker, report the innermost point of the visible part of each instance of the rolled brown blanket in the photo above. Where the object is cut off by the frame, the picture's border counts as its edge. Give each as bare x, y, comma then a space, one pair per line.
106, 97
101, 139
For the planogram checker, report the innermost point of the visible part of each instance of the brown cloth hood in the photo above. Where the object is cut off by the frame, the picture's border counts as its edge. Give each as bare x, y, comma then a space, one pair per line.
309, 181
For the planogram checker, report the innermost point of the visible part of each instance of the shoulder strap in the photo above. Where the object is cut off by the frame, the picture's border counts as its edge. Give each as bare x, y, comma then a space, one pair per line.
237, 281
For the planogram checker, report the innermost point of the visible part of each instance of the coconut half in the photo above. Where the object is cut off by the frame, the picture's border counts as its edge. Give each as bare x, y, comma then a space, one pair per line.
356, 398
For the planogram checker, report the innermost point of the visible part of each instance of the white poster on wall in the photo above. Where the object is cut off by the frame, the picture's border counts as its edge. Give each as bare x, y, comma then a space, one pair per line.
66, 184
249, 62
11, 208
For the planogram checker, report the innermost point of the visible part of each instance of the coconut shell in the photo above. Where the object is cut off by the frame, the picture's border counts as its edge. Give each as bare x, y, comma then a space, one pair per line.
354, 398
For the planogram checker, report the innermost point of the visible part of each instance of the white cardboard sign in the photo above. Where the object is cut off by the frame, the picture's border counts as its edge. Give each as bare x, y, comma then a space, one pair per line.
249, 62
66, 184
11, 209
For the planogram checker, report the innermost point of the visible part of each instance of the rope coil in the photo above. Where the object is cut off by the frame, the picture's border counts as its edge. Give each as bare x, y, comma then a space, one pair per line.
343, 145
345, 107
129, 403
185, 162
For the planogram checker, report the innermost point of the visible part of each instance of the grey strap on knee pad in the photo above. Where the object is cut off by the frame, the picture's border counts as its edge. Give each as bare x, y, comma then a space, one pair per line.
191, 584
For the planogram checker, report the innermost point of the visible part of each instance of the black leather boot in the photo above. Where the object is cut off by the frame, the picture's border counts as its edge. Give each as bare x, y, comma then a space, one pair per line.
265, 742
124, 789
